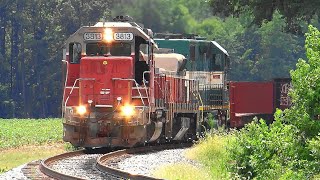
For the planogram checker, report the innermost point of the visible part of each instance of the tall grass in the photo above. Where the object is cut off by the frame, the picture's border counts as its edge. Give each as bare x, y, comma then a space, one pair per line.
181, 171
19, 132
212, 153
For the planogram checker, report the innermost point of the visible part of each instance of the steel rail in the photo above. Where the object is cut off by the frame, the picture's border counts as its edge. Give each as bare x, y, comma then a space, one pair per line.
103, 160
44, 166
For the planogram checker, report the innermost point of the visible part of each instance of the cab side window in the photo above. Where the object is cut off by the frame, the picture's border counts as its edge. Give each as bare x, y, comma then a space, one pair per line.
75, 52
217, 62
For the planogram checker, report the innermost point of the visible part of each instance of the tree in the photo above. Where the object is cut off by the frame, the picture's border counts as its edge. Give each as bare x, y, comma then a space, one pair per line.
159, 15
305, 94
277, 50
294, 12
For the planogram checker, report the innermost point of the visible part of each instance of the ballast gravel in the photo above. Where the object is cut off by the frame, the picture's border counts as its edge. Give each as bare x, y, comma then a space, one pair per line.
143, 164
14, 174
82, 166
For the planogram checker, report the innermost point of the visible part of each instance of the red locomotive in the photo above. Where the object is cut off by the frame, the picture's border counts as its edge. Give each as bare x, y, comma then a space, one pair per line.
114, 94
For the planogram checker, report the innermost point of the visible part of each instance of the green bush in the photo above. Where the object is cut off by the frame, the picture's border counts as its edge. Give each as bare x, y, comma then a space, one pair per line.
277, 151
305, 93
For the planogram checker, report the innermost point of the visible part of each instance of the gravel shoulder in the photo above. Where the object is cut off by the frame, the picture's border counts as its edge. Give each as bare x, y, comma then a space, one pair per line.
146, 163
14, 174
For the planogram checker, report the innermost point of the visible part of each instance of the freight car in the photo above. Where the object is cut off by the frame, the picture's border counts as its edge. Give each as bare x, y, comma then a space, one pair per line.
257, 99
118, 92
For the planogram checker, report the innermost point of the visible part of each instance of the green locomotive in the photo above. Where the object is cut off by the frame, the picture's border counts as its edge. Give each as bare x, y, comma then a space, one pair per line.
207, 62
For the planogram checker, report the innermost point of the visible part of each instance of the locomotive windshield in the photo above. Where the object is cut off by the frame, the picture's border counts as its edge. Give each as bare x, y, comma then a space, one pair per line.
114, 49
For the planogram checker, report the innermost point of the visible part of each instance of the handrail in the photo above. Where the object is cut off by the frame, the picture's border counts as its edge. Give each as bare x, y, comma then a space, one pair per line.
74, 84
144, 83
198, 93
65, 103
123, 79
65, 85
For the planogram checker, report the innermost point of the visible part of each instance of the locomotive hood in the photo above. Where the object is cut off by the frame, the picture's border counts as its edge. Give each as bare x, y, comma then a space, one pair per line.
98, 79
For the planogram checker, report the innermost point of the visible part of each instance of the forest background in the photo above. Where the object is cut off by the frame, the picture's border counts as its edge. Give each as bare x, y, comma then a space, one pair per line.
264, 38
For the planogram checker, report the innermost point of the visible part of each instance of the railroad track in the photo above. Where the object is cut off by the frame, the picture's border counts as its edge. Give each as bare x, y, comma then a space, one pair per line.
103, 161
45, 166
94, 166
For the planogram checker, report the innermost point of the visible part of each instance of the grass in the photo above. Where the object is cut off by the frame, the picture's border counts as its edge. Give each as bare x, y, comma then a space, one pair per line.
25, 140
211, 152
181, 171
14, 157
19, 132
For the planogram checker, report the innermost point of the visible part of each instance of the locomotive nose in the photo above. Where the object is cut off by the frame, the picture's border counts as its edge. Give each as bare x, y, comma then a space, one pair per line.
99, 83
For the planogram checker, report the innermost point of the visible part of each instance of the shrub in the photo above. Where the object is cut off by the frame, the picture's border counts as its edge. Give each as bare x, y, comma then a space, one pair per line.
271, 152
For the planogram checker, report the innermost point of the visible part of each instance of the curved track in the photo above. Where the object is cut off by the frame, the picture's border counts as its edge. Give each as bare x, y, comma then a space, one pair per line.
103, 162
46, 169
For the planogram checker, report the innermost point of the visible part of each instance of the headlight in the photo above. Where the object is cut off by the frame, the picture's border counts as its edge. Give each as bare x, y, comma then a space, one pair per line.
127, 110
108, 35
81, 110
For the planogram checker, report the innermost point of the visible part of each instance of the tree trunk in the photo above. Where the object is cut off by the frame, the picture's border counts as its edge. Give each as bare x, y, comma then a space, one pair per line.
14, 54
22, 70
3, 25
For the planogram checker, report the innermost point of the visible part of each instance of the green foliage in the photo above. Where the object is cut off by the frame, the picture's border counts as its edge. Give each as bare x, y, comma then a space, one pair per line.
166, 16
211, 121
2, 170
275, 152
294, 12
18, 132
212, 153
314, 147
306, 88
266, 52
181, 171
70, 147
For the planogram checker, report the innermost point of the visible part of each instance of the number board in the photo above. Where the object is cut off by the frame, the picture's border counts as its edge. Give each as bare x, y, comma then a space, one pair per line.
123, 36
92, 36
